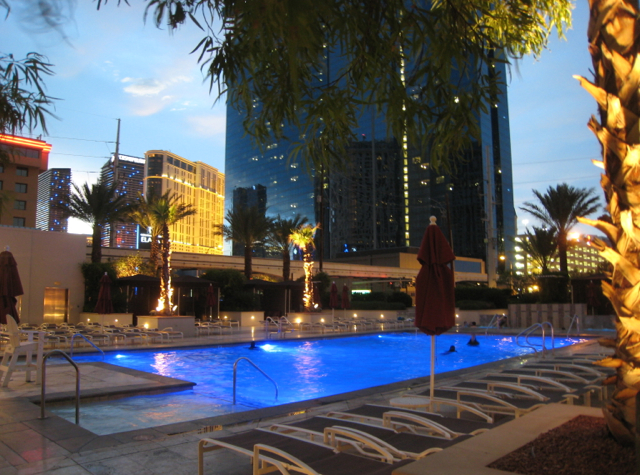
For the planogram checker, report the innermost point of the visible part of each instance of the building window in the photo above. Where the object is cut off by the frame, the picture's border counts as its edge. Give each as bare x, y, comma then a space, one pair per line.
19, 204
21, 187
19, 222
22, 171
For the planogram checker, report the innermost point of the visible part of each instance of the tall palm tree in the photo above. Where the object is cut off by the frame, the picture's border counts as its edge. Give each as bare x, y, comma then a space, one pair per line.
560, 208
303, 238
247, 226
140, 214
165, 211
541, 245
279, 239
614, 45
98, 205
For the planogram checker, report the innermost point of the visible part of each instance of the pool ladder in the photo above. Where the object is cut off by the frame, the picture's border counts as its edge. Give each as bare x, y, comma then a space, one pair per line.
87, 340
235, 371
44, 383
527, 332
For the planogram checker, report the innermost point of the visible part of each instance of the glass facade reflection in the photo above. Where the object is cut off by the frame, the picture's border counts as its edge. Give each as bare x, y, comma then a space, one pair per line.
387, 191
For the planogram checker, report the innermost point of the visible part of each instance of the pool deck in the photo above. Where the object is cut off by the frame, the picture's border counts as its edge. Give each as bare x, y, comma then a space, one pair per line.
30, 445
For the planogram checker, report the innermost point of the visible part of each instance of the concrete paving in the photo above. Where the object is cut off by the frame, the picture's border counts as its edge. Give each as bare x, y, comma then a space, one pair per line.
30, 445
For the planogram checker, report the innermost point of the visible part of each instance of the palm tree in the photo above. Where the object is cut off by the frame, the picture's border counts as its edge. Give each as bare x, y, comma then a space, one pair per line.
249, 227
165, 211
140, 214
279, 239
303, 238
613, 44
98, 205
541, 245
560, 208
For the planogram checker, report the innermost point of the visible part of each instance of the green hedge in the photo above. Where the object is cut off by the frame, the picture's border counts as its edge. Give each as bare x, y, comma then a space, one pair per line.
473, 305
496, 298
379, 305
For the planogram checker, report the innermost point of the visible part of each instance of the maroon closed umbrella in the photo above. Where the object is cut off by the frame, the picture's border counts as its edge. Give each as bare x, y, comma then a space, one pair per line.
345, 304
104, 305
333, 298
10, 286
212, 301
435, 298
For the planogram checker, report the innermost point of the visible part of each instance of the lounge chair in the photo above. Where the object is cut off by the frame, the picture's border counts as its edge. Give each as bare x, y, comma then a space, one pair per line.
416, 422
367, 439
17, 348
271, 452
169, 333
482, 401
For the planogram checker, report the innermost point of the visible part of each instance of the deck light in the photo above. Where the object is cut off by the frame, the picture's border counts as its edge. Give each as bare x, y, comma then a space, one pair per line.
252, 317
322, 320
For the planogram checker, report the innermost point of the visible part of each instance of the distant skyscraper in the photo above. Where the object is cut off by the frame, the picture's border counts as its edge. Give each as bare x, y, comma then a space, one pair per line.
255, 195
195, 183
388, 189
19, 179
130, 175
54, 188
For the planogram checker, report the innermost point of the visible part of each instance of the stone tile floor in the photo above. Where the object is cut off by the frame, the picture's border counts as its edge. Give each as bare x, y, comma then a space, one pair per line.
29, 445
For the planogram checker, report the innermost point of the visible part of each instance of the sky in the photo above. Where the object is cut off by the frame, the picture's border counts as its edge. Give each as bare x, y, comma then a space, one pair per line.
111, 65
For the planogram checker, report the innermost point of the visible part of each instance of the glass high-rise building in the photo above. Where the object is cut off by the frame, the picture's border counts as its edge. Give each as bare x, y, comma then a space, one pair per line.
387, 191
129, 172
54, 189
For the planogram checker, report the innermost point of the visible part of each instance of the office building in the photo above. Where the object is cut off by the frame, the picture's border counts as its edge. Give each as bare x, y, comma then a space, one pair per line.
19, 179
385, 194
252, 196
129, 172
195, 183
54, 189
582, 258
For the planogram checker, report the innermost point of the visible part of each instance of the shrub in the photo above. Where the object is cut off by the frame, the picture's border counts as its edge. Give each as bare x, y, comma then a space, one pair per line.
401, 297
377, 305
497, 298
473, 305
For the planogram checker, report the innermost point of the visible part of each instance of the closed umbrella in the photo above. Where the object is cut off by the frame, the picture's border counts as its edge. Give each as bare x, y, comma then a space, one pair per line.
104, 305
212, 301
435, 298
10, 286
345, 304
333, 298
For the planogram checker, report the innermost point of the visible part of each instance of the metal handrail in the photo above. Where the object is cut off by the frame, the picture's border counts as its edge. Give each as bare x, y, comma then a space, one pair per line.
495, 316
575, 319
527, 332
44, 378
85, 339
235, 370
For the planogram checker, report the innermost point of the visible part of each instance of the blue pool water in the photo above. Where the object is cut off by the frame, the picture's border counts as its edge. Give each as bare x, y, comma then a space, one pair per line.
302, 370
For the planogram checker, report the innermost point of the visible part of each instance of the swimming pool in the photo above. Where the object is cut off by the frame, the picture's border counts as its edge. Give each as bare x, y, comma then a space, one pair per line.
302, 369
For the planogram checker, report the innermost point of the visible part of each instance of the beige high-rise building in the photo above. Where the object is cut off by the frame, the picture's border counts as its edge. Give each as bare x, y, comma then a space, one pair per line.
195, 183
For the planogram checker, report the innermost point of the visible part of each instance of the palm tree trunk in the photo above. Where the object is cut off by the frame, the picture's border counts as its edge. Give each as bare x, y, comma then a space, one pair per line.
308, 271
286, 265
96, 245
248, 251
165, 275
562, 252
614, 46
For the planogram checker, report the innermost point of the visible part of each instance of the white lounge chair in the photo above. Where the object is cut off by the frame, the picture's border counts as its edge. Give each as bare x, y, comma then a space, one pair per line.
17, 348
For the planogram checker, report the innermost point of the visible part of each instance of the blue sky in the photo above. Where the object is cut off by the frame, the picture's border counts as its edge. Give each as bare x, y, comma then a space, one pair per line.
112, 66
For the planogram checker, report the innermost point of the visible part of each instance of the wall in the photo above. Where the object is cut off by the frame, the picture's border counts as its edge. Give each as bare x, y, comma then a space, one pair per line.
46, 259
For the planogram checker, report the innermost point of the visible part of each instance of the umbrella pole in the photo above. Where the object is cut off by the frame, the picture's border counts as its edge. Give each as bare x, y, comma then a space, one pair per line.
433, 370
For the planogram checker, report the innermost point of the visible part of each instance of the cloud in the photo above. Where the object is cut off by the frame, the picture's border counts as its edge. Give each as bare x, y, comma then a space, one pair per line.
151, 87
208, 125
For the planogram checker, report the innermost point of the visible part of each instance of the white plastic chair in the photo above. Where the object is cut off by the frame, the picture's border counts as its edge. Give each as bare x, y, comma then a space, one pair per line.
17, 348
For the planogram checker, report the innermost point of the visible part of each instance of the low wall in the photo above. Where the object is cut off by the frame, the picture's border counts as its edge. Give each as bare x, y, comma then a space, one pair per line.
481, 317
558, 314
182, 323
250, 319
108, 319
